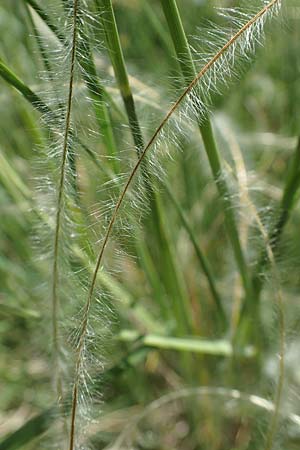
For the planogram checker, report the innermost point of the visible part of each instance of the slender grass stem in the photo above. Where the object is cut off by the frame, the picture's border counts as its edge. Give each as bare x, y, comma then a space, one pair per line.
270, 261
280, 382
202, 259
46, 61
37, 103
44, 16
188, 70
61, 185
96, 91
279, 301
170, 274
157, 26
273, 239
286, 205
117, 58
39, 41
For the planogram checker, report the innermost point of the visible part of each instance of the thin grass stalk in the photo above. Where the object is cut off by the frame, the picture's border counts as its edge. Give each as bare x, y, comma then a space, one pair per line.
96, 91
37, 103
117, 58
221, 316
278, 295
188, 70
272, 241
280, 382
11, 78
61, 188
270, 261
171, 273
286, 205
39, 41
243, 195
46, 62
119, 203
44, 16
150, 270
157, 26
60, 36
97, 94
173, 282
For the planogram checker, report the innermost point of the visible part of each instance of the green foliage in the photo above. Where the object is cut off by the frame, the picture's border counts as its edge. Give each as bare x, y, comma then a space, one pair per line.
130, 278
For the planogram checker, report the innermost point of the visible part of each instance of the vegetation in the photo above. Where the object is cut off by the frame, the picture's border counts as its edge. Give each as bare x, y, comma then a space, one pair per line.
150, 158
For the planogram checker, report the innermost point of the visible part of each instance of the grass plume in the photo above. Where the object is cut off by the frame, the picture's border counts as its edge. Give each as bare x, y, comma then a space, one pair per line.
62, 179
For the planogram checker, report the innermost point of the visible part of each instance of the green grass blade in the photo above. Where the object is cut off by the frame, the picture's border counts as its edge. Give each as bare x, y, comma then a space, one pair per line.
202, 259
158, 290
117, 58
171, 273
171, 277
188, 70
11, 78
40, 43
96, 91
192, 345
157, 26
98, 97
286, 205
44, 16
10, 178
